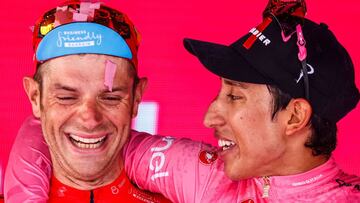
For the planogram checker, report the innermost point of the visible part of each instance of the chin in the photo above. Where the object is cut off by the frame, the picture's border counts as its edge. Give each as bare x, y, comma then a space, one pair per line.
237, 176
89, 175
231, 173
236, 173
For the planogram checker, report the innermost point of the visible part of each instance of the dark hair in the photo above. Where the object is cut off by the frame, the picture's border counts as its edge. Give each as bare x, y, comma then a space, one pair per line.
323, 138
38, 76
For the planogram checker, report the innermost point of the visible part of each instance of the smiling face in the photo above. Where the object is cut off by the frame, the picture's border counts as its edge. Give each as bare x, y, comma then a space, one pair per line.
253, 144
85, 124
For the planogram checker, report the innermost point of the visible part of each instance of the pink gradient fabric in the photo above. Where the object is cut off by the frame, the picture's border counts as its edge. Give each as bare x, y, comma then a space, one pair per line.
177, 168
29, 167
181, 169
181, 87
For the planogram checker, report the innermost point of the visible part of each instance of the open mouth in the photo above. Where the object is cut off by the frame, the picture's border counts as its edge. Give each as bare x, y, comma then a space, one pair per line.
87, 143
226, 144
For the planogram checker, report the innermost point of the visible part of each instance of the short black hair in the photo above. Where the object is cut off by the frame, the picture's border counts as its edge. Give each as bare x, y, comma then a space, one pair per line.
323, 137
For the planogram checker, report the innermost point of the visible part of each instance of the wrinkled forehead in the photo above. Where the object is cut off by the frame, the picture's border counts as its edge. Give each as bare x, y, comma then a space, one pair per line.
86, 63
88, 68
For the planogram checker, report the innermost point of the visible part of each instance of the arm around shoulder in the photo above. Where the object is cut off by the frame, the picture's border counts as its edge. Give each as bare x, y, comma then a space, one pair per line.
29, 167
170, 166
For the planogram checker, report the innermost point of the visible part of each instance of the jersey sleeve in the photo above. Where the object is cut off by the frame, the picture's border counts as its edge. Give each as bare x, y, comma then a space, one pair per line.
178, 168
29, 168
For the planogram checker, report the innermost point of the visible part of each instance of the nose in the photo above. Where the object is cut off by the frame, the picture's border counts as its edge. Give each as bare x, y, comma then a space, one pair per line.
213, 116
90, 114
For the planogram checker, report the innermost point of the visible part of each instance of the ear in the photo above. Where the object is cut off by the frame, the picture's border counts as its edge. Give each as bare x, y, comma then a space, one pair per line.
299, 112
139, 91
32, 90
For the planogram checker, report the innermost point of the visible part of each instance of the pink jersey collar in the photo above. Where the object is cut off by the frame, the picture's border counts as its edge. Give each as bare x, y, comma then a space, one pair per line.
282, 186
324, 172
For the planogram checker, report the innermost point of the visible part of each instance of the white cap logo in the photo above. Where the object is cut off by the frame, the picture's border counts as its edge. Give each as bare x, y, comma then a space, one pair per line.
310, 72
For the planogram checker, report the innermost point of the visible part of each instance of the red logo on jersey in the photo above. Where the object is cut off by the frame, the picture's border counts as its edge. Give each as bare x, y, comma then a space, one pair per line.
207, 157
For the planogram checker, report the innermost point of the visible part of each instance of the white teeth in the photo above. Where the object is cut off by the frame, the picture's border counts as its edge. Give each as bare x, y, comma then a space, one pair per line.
87, 146
87, 143
87, 140
225, 144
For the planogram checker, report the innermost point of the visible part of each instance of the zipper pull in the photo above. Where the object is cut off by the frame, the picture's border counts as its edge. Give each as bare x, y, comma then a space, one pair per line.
266, 187
92, 197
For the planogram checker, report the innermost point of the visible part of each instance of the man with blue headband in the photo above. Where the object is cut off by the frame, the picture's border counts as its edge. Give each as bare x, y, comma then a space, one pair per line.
284, 86
85, 92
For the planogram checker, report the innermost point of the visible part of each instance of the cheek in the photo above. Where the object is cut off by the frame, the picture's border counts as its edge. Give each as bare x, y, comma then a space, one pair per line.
50, 127
246, 118
250, 125
54, 117
119, 115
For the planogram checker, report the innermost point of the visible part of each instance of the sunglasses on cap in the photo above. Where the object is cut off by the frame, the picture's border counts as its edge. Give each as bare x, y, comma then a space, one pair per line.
86, 12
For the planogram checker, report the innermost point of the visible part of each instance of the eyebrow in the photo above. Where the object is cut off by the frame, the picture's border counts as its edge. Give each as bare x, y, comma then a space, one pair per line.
116, 89
59, 86
64, 87
235, 83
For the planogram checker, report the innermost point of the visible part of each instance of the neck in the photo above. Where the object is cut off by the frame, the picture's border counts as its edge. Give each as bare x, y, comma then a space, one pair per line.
78, 181
302, 164
298, 159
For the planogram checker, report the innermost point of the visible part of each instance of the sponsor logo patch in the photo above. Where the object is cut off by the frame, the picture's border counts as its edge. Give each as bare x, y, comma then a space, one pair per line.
158, 158
207, 157
81, 38
257, 33
310, 70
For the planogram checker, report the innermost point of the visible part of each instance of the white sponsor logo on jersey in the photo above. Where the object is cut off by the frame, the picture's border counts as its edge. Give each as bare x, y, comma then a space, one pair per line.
158, 158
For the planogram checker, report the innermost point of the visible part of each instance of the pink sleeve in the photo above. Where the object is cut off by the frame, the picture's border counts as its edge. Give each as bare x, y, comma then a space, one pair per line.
177, 168
29, 167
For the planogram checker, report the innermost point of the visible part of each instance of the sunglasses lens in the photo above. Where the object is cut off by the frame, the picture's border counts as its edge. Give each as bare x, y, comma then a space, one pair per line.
82, 12
289, 13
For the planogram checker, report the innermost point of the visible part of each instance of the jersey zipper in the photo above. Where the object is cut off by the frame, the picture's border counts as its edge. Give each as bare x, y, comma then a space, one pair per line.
266, 187
92, 197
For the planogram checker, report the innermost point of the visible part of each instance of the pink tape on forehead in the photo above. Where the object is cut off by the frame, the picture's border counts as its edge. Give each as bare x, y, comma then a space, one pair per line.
110, 70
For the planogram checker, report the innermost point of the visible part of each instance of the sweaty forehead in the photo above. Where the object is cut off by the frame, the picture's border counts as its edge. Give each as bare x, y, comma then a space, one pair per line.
85, 68
81, 58
87, 63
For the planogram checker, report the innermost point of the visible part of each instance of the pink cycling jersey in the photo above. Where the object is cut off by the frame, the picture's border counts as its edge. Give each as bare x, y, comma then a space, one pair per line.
181, 169
29, 167
28, 174
188, 171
